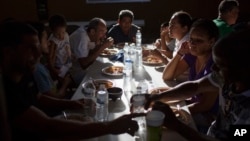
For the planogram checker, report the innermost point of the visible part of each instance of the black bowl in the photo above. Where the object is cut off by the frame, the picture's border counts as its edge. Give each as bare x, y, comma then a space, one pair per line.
114, 93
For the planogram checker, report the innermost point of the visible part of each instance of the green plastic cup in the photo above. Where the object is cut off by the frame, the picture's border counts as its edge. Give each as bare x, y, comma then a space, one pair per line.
154, 120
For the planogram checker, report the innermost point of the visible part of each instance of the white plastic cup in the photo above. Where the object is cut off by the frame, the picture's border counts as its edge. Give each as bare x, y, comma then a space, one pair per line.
154, 120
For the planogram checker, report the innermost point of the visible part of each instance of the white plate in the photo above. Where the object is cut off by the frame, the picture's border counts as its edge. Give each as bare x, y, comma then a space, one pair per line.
113, 70
108, 52
108, 83
152, 60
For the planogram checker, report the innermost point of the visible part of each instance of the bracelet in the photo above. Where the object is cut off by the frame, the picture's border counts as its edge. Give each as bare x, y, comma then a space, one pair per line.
180, 53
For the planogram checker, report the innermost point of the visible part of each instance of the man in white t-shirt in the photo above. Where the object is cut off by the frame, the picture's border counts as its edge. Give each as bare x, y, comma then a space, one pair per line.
86, 44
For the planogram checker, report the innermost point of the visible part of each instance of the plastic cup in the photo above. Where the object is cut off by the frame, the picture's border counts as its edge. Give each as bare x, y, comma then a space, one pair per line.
154, 120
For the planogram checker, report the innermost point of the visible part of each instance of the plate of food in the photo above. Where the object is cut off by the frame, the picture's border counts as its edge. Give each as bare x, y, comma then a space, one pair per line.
152, 60
113, 70
97, 82
158, 90
108, 52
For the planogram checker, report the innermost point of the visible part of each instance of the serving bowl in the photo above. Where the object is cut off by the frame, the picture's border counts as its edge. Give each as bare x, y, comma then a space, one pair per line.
115, 93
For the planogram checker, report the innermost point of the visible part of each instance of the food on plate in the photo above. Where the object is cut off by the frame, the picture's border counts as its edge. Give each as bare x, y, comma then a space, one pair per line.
152, 60
107, 52
107, 83
97, 83
113, 70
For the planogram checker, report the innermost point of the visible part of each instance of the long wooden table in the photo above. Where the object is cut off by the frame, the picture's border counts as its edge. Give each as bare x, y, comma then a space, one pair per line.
152, 74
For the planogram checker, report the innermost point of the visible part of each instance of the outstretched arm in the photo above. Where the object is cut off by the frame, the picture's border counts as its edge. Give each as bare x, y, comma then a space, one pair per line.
37, 122
185, 90
173, 123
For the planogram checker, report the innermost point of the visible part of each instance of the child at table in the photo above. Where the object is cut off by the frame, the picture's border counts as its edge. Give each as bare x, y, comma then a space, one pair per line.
165, 43
60, 37
45, 83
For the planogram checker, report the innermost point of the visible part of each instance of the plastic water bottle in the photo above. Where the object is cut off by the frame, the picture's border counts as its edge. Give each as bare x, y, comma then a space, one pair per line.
128, 63
125, 51
138, 50
138, 37
102, 104
138, 102
144, 86
128, 67
132, 53
127, 77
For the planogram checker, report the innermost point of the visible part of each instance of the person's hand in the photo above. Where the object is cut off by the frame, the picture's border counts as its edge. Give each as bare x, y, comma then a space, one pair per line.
184, 49
125, 124
150, 98
108, 42
170, 120
164, 33
158, 43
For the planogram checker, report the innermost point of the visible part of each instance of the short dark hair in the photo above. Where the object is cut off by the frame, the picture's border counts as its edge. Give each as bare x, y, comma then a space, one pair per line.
184, 18
11, 34
93, 23
57, 21
227, 5
126, 13
208, 26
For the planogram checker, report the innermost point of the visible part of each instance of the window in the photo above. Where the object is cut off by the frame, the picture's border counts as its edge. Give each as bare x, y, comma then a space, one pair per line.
115, 1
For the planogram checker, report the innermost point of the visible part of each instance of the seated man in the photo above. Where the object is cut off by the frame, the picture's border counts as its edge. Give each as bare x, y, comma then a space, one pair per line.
19, 54
86, 45
228, 11
124, 30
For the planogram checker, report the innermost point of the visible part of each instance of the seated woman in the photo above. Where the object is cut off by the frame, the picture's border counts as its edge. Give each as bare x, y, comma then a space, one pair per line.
179, 26
196, 56
165, 43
